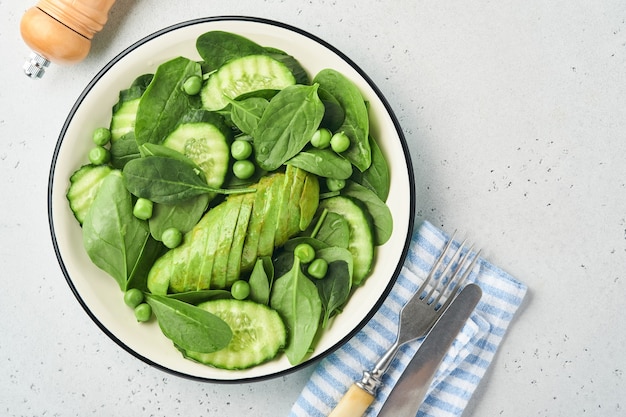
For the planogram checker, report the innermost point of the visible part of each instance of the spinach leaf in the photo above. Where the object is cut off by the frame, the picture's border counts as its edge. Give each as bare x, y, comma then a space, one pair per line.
287, 125
261, 280
335, 254
115, 240
378, 210
218, 47
133, 92
333, 230
246, 113
153, 149
164, 102
333, 112
334, 289
183, 215
297, 301
323, 163
200, 296
298, 71
167, 180
190, 327
123, 150
377, 177
356, 121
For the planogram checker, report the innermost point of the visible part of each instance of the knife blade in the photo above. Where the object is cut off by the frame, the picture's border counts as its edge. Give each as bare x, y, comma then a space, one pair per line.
409, 392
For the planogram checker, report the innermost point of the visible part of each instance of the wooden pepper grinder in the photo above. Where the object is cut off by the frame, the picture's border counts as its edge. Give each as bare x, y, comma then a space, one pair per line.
60, 31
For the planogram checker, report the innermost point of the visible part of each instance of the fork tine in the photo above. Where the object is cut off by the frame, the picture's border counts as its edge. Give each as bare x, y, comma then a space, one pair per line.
435, 267
466, 272
444, 280
446, 271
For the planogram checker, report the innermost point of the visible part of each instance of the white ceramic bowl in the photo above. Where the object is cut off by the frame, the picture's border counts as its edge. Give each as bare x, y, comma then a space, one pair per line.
99, 294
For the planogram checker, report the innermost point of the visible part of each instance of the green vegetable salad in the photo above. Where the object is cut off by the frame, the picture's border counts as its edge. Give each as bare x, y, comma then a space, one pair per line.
237, 200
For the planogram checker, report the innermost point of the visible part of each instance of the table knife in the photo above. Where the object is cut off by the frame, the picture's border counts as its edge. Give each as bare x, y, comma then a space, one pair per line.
409, 392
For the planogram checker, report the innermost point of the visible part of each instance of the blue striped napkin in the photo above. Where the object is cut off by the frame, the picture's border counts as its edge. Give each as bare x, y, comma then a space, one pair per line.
465, 363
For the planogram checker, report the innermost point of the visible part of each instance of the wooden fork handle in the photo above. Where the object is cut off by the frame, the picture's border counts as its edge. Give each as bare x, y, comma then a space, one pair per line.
353, 403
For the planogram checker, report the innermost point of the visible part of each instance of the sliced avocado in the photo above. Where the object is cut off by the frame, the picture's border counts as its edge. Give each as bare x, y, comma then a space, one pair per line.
309, 200
225, 242
282, 231
212, 229
268, 230
233, 268
292, 217
189, 272
251, 243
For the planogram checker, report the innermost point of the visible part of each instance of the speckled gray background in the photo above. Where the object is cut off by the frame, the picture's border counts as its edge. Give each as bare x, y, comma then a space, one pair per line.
515, 114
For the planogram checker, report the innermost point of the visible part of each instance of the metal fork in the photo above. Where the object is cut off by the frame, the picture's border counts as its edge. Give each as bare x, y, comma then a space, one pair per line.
417, 317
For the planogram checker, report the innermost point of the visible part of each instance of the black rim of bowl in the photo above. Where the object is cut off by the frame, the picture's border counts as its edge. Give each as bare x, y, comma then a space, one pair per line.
166, 30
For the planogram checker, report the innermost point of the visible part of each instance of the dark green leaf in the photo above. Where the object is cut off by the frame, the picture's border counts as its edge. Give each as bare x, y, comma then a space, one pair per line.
334, 289
164, 102
115, 240
287, 125
190, 327
322, 162
261, 280
200, 296
333, 230
183, 215
246, 113
356, 121
218, 47
333, 112
166, 180
378, 210
123, 150
135, 91
297, 301
377, 177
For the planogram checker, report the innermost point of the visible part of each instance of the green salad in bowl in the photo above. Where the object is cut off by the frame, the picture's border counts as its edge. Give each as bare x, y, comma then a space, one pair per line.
231, 199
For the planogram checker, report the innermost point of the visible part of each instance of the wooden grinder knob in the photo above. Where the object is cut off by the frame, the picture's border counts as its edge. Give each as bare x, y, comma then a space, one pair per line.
60, 31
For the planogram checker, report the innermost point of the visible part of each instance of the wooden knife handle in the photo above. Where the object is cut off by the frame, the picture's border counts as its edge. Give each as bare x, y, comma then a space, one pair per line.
353, 403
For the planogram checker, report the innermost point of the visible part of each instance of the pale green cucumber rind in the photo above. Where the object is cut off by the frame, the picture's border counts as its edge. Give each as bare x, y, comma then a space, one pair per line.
84, 185
361, 243
265, 328
206, 145
123, 119
233, 268
237, 77
225, 242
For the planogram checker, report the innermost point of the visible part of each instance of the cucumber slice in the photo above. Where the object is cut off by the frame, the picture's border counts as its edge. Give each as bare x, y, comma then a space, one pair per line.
244, 75
124, 112
361, 242
206, 145
123, 119
84, 185
258, 334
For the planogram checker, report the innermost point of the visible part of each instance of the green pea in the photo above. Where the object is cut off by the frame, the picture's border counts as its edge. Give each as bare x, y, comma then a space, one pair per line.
304, 252
318, 268
133, 297
143, 312
339, 142
243, 169
172, 237
240, 290
334, 184
192, 85
321, 138
101, 136
241, 149
143, 208
99, 155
